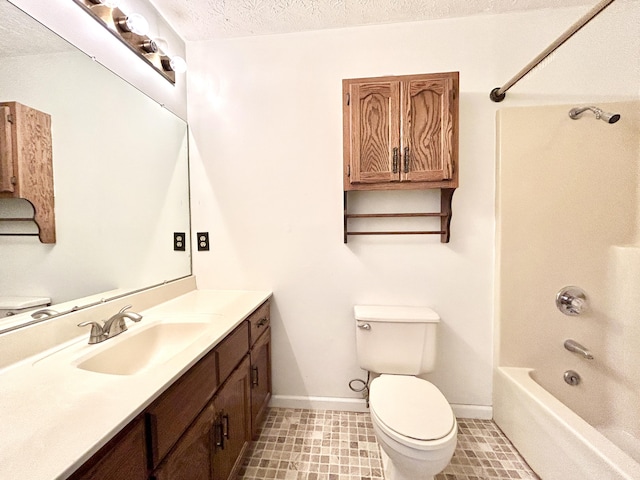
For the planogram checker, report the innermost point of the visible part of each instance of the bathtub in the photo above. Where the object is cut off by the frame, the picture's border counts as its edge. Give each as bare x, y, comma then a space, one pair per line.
556, 442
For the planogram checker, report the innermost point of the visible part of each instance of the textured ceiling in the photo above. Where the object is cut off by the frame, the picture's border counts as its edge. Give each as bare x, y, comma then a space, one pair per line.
207, 19
22, 35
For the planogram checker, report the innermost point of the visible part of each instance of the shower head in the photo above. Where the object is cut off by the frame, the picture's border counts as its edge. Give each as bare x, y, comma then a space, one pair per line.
576, 112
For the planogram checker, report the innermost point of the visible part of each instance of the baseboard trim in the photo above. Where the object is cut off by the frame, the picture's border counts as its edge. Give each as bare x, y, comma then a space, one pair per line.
478, 412
319, 403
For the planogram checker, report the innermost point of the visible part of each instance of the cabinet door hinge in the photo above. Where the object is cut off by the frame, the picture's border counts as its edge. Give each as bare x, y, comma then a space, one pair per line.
10, 118
348, 99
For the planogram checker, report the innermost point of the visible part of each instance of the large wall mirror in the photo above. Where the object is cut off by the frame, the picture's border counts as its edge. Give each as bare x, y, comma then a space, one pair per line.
120, 165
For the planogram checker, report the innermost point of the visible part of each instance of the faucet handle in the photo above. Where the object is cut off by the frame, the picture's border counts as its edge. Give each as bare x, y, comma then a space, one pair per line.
97, 331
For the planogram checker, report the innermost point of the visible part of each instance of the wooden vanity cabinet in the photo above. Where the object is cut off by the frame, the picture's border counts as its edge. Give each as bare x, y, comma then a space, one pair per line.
213, 446
26, 163
401, 132
191, 458
232, 424
260, 381
260, 353
170, 415
200, 428
124, 456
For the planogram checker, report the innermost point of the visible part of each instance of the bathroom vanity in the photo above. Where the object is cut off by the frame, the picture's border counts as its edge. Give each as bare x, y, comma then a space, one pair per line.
187, 411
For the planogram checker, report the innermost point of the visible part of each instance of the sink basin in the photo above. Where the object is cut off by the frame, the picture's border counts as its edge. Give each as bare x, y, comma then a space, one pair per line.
137, 351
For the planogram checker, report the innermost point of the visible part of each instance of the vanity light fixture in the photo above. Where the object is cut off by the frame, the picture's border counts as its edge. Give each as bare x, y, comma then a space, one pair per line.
107, 3
132, 30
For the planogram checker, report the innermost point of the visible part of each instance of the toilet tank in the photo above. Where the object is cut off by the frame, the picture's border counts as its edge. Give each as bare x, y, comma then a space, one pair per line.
396, 339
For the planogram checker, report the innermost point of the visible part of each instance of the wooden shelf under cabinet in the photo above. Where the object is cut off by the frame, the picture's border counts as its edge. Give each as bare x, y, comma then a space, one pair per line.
401, 133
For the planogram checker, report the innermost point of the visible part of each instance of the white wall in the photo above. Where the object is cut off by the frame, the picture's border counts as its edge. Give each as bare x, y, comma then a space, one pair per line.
266, 156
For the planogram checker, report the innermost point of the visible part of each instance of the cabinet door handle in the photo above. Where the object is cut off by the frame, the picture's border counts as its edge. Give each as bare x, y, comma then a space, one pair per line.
262, 322
395, 159
217, 433
406, 159
255, 375
225, 426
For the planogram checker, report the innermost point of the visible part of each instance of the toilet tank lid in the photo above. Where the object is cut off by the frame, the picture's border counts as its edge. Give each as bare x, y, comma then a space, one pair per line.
17, 303
395, 313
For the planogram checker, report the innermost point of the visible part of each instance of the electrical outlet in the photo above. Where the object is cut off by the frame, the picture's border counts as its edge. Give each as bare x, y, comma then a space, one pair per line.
203, 241
179, 241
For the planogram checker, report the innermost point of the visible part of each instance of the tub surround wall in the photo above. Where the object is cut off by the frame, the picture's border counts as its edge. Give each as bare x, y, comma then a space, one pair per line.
568, 191
266, 152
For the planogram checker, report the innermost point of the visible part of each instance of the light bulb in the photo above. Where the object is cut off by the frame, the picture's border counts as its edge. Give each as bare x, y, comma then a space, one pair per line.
136, 23
109, 3
178, 64
162, 44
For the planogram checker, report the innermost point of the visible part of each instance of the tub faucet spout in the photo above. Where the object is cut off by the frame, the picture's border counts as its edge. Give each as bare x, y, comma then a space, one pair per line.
575, 347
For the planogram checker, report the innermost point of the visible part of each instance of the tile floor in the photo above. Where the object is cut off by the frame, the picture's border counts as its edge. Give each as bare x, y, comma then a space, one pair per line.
330, 445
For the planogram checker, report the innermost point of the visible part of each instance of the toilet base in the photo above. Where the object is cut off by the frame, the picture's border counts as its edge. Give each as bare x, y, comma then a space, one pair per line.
391, 473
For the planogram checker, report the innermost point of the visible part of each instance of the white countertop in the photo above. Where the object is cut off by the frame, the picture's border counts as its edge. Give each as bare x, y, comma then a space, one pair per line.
54, 416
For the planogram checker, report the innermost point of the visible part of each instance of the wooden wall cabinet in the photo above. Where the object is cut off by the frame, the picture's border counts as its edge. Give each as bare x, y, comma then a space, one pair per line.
26, 168
200, 428
401, 133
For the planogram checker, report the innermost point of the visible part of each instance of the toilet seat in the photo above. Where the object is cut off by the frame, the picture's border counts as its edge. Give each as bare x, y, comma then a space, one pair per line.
412, 408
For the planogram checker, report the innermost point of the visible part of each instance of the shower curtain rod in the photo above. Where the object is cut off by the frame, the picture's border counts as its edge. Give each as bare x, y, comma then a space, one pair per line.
498, 94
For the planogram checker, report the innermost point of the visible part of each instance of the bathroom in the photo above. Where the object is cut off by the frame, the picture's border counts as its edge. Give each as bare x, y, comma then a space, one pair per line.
265, 160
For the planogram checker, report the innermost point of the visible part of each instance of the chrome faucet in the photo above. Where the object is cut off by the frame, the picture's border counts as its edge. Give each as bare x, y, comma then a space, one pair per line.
575, 347
44, 313
111, 327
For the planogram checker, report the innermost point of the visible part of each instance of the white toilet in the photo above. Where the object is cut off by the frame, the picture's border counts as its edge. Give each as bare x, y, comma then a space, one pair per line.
412, 420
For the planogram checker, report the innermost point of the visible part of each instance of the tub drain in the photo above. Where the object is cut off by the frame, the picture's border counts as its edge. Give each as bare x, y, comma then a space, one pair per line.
572, 378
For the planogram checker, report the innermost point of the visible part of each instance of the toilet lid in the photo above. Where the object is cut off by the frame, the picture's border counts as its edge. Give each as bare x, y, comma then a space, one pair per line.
411, 407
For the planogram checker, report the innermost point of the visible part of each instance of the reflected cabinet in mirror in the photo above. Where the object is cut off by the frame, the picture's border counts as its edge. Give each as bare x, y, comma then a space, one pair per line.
120, 174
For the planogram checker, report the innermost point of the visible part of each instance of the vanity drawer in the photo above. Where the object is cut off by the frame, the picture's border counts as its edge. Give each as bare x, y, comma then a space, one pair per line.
170, 415
230, 351
260, 321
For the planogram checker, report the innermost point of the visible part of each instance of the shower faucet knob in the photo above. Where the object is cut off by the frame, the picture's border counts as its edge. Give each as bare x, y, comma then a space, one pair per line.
571, 301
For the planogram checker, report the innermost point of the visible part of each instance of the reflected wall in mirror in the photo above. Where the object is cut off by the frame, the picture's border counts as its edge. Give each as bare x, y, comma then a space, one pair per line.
120, 167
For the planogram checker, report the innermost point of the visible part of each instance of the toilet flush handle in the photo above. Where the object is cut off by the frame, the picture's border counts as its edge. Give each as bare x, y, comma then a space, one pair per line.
364, 326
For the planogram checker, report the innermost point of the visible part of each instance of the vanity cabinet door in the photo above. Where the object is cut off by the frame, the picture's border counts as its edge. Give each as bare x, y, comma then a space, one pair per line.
191, 458
122, 457
170, 415
232, 429
260, 381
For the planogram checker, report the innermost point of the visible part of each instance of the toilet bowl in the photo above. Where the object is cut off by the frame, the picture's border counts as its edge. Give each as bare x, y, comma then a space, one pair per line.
414, 425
